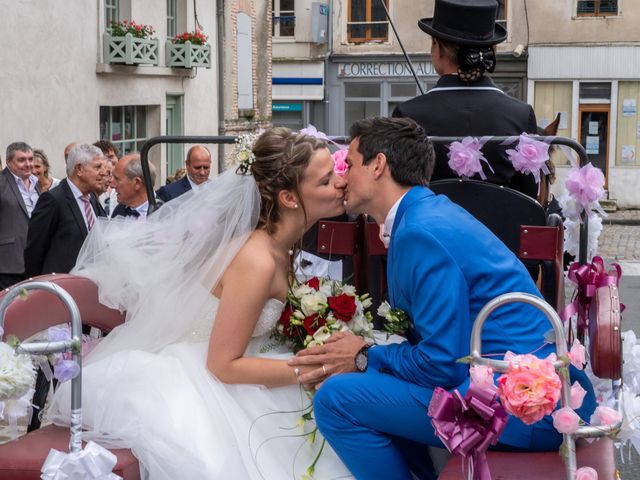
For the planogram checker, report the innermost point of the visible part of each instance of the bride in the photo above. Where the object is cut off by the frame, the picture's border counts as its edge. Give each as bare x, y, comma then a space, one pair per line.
191, 382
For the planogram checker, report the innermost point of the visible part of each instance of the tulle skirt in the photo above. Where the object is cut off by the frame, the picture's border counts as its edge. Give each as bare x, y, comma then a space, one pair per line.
181, 422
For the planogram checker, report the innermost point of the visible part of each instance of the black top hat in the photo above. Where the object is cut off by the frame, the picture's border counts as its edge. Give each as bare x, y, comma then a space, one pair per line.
465, 22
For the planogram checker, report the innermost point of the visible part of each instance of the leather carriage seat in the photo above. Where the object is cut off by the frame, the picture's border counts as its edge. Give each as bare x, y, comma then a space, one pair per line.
22, 458
536, 465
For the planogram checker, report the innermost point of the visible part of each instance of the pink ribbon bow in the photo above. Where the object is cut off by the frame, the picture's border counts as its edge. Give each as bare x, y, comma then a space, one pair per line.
468, 425
588, 278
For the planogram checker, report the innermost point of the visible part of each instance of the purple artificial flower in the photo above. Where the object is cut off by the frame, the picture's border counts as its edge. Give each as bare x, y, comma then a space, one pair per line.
65, 370
530, 156
465, 157
585, 184
59, 333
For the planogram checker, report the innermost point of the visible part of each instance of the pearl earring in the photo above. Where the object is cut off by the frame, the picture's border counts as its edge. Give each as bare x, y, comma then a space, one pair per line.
295, 205
290, 251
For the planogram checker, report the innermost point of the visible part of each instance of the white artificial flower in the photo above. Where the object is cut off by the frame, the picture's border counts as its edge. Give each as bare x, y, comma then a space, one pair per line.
16, 374
313, 303
571, 209
572, 235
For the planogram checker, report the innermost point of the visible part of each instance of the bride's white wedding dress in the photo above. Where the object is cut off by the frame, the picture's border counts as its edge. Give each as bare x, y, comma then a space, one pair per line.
146, 386
181, 422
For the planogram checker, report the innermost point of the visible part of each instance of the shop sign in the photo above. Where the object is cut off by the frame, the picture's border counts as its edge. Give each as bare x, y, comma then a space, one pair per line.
384, 69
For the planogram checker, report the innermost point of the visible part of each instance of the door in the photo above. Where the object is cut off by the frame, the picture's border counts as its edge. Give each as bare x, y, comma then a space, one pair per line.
175, 152
594, 134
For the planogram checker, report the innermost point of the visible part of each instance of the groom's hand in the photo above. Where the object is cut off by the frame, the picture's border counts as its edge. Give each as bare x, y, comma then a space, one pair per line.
337, 355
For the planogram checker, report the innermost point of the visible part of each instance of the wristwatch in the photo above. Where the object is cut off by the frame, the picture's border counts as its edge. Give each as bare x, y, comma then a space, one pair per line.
362, 359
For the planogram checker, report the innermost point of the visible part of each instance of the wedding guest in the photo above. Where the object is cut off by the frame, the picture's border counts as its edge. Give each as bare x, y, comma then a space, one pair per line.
109, 199
18, 196
129, 184
41, 169
67, 149
64, 215
177, 175
383, 404
198, 167
465, 101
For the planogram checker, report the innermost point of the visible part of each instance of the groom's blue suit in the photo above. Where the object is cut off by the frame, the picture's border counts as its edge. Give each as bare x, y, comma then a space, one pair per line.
443, 267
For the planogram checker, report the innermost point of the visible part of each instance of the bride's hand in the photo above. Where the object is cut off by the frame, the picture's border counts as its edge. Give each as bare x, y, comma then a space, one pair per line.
337, 355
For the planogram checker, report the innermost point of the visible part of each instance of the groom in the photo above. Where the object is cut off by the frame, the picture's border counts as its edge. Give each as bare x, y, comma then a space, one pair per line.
443, 267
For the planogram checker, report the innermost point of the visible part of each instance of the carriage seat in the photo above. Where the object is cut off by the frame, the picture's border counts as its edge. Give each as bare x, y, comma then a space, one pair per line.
535, 465
22, 459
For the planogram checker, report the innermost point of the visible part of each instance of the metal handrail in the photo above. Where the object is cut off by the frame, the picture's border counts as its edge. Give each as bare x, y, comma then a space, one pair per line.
39, 348
563, 361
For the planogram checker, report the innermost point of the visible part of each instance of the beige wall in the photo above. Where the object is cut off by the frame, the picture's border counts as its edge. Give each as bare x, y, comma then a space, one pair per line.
628, 125
555, 21
405, 15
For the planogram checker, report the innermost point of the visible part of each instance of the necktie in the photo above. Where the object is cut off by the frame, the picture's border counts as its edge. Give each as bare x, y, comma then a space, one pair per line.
385, 238
88, 212
131, 212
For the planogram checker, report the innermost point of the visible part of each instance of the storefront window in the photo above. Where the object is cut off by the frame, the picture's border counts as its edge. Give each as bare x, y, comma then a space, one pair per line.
628, 124
125, 126
367, 21
552, 98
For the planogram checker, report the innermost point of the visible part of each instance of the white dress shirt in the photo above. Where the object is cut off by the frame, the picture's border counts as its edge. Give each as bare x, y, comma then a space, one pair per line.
195, 186
77, 194
30, 195
387, 227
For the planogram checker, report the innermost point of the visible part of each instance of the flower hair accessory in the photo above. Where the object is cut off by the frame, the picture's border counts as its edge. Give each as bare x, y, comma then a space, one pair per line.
465, 157
244, 152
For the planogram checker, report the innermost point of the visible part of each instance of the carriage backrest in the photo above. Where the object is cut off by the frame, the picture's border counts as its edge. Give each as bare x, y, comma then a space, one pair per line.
41, 309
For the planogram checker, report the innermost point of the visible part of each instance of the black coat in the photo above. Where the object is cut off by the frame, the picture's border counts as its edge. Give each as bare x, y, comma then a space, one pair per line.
174, 190
56, 231
467, 111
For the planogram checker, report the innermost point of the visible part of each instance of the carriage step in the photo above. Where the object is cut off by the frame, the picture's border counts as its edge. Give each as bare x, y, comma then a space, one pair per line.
536, 465
22, 459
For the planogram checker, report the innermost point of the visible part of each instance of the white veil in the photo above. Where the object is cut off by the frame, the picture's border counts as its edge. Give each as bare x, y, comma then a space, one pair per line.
161, 271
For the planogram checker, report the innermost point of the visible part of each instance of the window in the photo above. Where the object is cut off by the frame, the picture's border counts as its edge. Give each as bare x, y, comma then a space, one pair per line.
125, 126
367, 21
172, 18
592, 8
284, 18
501, 16
111, 12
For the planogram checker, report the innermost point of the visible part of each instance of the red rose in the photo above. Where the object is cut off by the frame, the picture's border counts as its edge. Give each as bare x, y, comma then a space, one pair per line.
343, 306
313, 322
285, 321
314, 283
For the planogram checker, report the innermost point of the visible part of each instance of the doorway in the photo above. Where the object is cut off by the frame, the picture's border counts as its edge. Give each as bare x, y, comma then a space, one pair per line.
175, 152
594, 134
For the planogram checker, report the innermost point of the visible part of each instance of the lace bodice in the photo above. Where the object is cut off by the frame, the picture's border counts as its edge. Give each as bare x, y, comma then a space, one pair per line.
268, 318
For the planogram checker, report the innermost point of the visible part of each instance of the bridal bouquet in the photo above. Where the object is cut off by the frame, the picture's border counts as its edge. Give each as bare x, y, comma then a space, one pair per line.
319, 307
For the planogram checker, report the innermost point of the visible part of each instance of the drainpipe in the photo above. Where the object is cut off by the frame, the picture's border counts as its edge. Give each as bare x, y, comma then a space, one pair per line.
327, 55
220, 48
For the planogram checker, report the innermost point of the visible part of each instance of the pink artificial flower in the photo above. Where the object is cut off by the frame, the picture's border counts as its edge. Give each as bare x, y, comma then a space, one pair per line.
530, 156
577, 355
530, 389
340, 166
585, 184
606, 416
577, 395
586, 473
482, 375
565, 420
465, 157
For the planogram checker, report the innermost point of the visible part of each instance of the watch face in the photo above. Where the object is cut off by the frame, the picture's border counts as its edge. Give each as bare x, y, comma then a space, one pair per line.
361, 361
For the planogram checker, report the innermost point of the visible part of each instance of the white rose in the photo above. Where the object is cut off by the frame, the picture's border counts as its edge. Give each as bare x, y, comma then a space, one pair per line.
313, 303
302, 290
16, 373
326, 289
348, 289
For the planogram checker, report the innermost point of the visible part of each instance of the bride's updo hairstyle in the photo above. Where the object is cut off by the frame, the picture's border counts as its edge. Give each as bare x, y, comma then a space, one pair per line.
281, 157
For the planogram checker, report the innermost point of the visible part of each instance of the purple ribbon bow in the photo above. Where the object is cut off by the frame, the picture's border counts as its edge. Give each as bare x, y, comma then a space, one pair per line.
588, 278
468, 425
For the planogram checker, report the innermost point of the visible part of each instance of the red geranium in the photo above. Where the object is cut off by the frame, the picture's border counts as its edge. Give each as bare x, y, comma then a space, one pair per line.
343, 306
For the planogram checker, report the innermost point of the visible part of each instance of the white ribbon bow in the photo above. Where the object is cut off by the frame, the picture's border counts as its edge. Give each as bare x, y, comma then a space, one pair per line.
93, 462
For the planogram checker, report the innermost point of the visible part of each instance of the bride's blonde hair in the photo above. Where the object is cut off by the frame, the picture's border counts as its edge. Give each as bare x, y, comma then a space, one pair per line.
281, 157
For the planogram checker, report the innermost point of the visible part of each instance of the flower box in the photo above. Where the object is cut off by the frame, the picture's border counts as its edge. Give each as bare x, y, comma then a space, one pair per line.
130, 50
187, 55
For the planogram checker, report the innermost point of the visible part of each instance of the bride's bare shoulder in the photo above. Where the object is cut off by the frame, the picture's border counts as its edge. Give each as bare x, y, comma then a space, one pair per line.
256, 255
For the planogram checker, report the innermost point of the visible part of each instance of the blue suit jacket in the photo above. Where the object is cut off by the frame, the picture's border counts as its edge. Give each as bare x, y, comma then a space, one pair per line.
443, 267
174, 190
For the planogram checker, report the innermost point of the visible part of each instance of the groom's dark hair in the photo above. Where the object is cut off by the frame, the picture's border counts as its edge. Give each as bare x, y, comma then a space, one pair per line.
409, 152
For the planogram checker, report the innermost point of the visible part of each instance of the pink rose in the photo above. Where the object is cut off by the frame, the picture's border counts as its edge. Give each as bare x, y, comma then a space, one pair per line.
577, 395
606, 416
577, 355
340, 166
465, 157
565, 420
482, 375
530, 156
586, 473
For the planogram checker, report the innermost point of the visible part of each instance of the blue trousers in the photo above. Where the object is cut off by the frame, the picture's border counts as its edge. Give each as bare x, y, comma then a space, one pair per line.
377, 423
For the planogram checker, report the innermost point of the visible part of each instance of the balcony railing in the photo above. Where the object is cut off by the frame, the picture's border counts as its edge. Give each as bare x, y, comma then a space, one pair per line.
187, 55
130, 50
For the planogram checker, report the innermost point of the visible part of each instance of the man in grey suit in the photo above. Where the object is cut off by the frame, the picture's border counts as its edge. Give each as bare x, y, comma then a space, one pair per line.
18, 196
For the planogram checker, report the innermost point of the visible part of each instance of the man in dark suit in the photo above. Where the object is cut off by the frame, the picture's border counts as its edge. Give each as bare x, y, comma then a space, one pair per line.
129, 183
198, 166
464, 102
64, 215
18, 195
